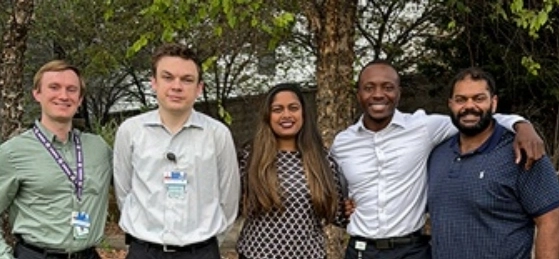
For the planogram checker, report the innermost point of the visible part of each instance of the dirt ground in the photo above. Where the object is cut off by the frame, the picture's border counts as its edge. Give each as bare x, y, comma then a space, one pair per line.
113, 247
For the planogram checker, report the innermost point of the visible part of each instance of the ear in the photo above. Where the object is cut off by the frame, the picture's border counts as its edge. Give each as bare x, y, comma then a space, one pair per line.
153, 83
36, 93
494, 101
449, 103
200, 88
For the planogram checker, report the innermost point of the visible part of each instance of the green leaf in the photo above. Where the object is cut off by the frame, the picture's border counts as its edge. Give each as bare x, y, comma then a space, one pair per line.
208, 63
451, 24
224, 114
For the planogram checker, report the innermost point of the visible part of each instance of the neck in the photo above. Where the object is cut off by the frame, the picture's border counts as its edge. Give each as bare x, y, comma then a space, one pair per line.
174, 121
471, 143
374, 124
287, 144
59, 129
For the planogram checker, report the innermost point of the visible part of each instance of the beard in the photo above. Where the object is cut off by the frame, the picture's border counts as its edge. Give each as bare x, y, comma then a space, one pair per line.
486, 117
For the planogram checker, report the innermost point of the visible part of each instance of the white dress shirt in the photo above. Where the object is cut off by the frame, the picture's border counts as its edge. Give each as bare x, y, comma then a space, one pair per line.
204, 150
386, 170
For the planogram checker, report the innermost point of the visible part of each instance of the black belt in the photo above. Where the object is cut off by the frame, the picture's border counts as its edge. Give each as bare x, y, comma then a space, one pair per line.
392, 242
171, 248
58, 253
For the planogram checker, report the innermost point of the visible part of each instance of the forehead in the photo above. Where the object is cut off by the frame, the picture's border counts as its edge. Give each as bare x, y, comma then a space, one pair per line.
285, 97
64, 77
470, 87
379, 73
177, 66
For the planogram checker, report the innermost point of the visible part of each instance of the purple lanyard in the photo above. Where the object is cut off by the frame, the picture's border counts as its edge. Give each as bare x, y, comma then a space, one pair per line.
75, 178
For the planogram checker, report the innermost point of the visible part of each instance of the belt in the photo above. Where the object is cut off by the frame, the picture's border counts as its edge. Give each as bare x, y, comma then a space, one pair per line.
392, 242
171, 248
58, 253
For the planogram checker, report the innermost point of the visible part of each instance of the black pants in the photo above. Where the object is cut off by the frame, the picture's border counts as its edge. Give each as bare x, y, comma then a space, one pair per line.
417, 250
141, 250
23, 252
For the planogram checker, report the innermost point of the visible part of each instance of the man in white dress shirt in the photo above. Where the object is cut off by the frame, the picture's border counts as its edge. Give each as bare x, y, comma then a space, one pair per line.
383, 157
175, 170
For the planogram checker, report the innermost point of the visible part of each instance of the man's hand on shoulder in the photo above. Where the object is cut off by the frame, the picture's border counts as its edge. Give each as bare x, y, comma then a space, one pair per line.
528, 145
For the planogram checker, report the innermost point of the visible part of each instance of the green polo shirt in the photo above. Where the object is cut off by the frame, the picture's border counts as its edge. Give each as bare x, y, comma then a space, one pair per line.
41, 198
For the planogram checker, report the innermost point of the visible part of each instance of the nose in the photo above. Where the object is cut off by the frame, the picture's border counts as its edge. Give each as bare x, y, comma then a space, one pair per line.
469, 103
64, 94
286, 113
176, 85
377, 93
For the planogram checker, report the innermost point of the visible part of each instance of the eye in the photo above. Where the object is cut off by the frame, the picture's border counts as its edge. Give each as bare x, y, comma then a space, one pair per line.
277, 109
388, 88
73, 89
187, 80
480, 98
294, 108
459, 100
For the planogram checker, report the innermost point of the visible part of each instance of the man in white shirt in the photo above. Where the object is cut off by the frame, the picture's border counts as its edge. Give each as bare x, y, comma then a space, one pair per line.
175, 170
383, 157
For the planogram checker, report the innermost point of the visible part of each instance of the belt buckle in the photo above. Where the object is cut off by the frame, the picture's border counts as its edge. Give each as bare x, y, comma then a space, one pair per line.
168, 250
383, 244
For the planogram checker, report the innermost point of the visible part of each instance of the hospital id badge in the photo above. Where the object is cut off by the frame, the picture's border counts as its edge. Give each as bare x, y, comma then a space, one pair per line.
175, 183
80, 223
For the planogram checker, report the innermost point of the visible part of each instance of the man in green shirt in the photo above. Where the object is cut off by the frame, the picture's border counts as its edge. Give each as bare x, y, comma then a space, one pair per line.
54, 179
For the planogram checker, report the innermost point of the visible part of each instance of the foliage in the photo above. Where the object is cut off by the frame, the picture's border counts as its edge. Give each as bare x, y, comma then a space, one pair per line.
173, 17
525, 67
107, 130
395, 30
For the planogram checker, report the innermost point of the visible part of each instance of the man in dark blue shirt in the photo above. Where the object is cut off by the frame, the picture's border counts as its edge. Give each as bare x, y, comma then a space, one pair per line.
482, 204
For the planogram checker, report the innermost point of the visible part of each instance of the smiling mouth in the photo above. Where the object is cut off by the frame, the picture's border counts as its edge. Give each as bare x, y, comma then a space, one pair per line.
378, 106
63, 105
287, 124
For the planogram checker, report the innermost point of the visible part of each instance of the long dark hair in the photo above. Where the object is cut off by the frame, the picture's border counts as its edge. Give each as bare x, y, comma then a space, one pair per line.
261, 192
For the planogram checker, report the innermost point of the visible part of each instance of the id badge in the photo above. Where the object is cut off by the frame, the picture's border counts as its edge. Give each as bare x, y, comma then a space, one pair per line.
80, 223
175, 183
360, 245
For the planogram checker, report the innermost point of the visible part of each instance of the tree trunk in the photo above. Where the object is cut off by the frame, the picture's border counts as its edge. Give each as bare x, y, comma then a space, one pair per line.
332, 23
11, 77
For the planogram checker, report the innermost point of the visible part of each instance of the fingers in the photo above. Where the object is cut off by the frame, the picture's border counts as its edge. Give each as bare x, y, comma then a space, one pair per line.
527, 153
349, 206
517, 153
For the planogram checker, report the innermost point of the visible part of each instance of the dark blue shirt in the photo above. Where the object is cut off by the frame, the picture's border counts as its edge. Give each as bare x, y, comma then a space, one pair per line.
482, 203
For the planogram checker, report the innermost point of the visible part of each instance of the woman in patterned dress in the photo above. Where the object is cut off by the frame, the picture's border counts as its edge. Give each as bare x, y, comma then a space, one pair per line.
290, 186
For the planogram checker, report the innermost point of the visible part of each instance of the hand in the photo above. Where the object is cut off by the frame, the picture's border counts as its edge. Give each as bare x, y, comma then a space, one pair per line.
349, 207
528, 145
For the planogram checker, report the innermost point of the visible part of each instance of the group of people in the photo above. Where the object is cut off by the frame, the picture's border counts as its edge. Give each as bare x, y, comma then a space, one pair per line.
180, 183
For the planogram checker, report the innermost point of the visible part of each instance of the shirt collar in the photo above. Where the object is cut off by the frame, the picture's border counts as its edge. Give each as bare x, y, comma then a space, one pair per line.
51, 137
397, 120
194, 120
487, 146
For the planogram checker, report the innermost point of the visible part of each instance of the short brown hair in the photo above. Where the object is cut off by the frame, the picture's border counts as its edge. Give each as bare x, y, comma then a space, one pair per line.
175, 50
57, 66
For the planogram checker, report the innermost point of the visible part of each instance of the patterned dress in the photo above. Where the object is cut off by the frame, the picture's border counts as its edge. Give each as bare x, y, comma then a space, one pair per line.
296, 232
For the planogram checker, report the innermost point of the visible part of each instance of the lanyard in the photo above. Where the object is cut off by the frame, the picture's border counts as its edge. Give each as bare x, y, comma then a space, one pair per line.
75, 177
